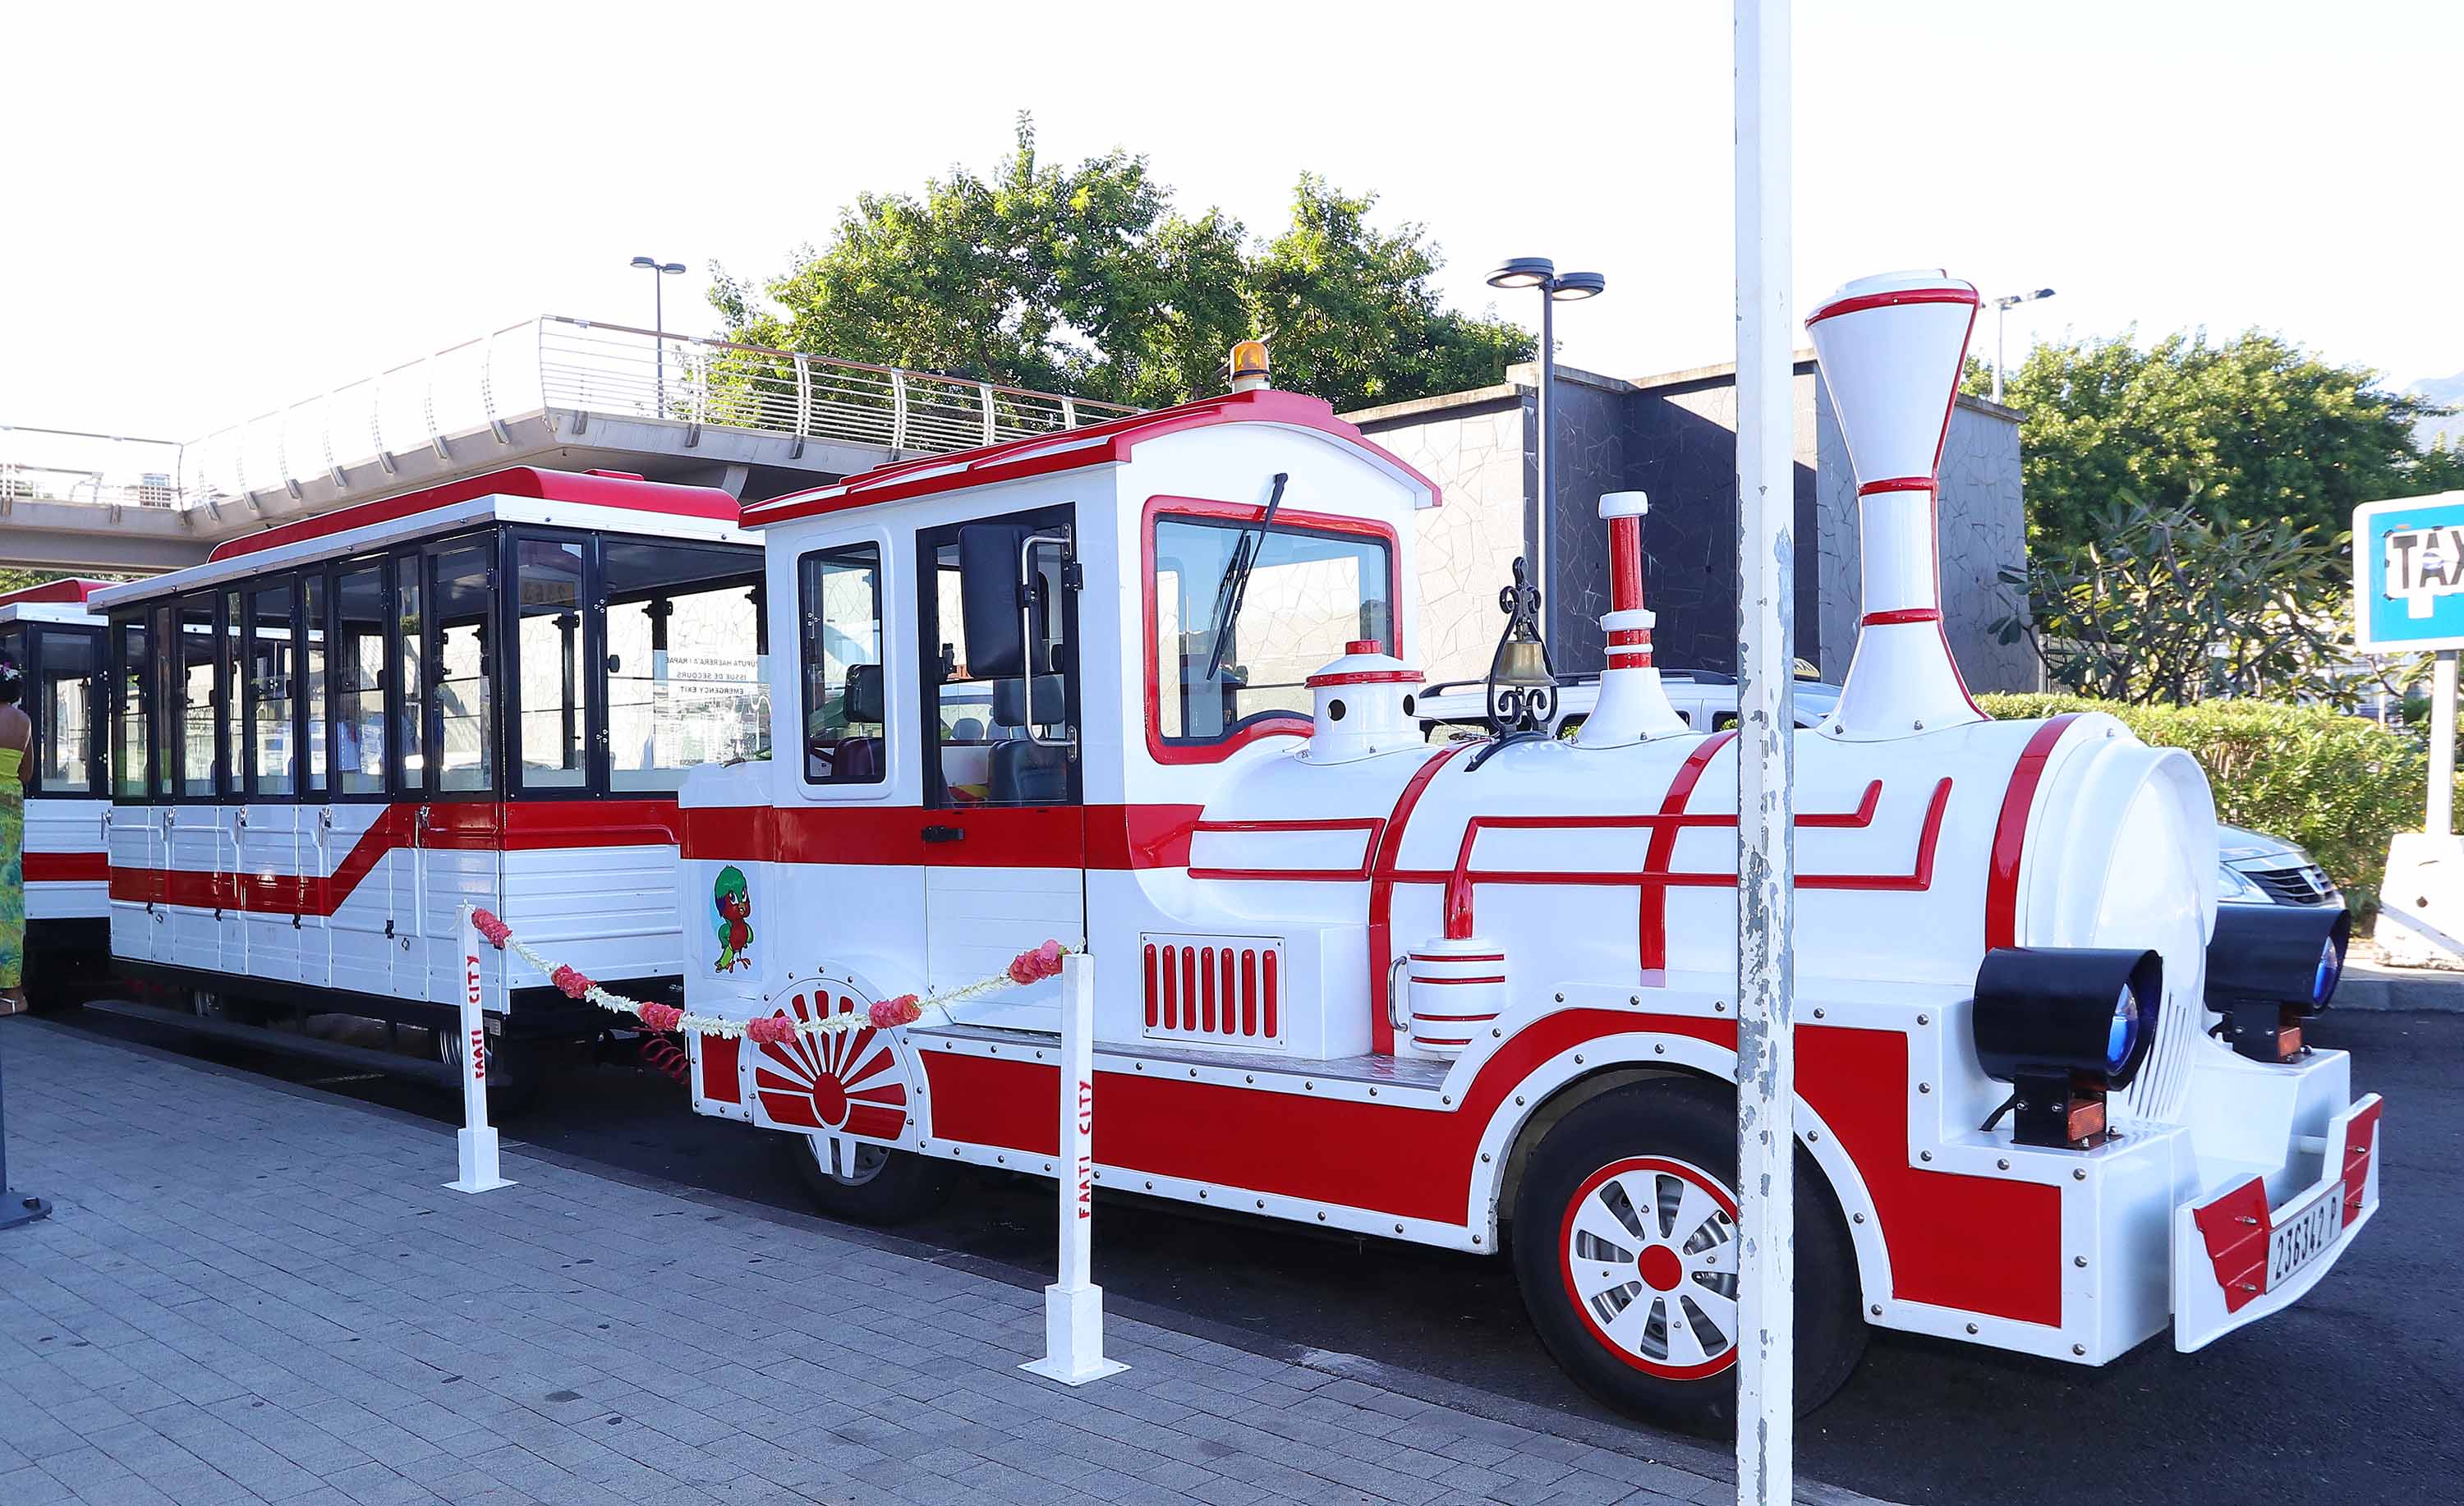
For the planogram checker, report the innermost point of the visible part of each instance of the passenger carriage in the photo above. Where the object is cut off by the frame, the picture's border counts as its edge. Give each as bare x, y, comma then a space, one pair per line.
335, 732
48, 633
1148, 688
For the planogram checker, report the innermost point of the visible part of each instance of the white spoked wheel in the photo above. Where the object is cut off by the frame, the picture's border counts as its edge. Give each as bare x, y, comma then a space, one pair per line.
1626, 1247
1649, 1255
849, 1163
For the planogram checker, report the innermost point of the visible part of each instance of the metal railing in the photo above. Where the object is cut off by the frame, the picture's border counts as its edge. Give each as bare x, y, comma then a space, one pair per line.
61, 465
610, 371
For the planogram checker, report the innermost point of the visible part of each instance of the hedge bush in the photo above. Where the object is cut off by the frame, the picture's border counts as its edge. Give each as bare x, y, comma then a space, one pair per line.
2337, 784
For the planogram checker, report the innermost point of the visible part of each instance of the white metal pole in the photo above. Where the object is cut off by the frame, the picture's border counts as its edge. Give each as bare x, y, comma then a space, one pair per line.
1766, 764
477, 1140
2001, 324
2442, 745
1073, 1305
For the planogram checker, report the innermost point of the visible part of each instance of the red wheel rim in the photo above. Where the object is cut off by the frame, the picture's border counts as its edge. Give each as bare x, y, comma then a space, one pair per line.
1648, 1253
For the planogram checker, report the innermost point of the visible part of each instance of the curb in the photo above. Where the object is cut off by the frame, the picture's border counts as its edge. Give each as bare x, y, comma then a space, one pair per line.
1631, 1440
2371, 987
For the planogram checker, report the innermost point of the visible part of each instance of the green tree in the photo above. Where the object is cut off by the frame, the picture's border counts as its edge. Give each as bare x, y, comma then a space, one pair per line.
1087, 280
2250, 432
2167, 606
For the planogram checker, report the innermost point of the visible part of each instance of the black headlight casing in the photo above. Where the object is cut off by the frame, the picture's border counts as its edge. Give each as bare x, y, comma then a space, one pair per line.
2264, 969
2044, 1020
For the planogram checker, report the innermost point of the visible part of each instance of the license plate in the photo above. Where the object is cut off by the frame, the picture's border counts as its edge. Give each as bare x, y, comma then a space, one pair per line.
2304, 1234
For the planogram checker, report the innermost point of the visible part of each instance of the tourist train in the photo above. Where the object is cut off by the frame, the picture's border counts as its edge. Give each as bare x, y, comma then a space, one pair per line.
1149, 688
48, 635
337, 731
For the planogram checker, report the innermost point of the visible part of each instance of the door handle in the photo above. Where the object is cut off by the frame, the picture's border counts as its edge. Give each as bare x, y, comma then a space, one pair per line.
945, 834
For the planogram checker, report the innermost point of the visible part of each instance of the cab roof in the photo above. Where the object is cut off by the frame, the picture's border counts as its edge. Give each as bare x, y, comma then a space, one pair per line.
1070, 450
610, 489
73, 592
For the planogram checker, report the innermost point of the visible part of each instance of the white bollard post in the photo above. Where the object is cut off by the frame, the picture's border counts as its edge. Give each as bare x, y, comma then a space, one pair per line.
478, 1140
1073, 1305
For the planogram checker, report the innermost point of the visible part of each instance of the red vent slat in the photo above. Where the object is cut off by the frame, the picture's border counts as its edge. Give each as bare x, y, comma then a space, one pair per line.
1249, 992
1152, 999
1267, 987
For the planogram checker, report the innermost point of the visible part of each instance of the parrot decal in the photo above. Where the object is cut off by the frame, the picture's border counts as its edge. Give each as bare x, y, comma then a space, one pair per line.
733, 903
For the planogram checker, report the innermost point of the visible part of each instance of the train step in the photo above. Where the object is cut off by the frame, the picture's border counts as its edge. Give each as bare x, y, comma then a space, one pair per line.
288, 1043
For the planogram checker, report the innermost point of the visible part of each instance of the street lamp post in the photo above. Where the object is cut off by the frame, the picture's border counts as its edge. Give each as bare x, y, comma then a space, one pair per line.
2002, 307
1555, 288
658, 269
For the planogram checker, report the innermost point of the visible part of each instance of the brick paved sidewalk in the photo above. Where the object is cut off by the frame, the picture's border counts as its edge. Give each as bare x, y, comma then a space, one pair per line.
255, 1293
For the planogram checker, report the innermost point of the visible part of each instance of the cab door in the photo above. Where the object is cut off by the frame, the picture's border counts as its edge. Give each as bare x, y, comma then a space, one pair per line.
1003, 823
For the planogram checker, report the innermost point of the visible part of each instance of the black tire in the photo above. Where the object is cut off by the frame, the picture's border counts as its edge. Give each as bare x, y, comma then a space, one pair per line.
882, 1187
1682, 1127
516, 1069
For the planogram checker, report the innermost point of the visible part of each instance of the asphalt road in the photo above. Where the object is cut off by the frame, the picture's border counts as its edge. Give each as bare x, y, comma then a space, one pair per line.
2354, 1394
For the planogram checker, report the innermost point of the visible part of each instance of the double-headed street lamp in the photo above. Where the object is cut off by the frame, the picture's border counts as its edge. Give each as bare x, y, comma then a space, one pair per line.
1555, 288
658, 269
2002, 307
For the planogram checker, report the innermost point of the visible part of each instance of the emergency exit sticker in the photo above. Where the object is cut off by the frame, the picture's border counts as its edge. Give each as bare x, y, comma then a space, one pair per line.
2408, 574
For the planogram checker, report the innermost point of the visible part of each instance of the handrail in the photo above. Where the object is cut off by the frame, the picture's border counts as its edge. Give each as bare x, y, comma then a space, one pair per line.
570, 373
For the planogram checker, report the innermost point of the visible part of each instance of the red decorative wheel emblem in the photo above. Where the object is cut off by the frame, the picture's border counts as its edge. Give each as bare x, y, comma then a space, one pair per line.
1649, 1254
849, 1081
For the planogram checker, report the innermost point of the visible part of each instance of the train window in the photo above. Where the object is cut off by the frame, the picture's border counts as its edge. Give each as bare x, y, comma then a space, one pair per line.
163, 672
998, 682
273, 663
133, 709
552, 712
688, 677
358, 661
1307, 596
200, 714
464, 605
231, 652
312, 680
840, 607
65, 727
410, 651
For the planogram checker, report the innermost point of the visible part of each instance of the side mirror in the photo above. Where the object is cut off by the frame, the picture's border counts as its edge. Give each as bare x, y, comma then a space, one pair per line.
989, 587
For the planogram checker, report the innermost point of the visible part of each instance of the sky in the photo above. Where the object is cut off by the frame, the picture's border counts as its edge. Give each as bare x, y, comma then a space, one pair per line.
220, 210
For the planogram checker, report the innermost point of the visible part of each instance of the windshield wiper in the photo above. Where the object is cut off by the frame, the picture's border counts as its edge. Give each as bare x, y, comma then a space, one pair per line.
1236, 579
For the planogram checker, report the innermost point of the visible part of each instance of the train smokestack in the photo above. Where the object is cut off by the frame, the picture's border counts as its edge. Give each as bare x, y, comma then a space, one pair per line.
1891, 348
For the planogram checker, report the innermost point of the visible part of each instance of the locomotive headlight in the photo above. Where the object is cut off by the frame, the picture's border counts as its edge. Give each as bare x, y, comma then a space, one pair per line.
2064, 1026
2271, 967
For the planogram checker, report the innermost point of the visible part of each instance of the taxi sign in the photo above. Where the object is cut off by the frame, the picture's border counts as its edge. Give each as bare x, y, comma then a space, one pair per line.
2408, 574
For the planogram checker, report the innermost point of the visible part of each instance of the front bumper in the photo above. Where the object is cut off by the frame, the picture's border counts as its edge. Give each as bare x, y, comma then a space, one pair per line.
2230, 1268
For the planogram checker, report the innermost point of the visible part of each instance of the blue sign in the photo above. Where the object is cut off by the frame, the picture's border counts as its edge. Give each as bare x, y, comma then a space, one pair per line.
2408, 574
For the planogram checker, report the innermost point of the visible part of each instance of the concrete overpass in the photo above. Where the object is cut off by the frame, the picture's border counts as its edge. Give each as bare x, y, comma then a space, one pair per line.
561, 393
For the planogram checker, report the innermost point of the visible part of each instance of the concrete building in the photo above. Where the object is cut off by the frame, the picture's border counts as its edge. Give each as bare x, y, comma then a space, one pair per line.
1674, 436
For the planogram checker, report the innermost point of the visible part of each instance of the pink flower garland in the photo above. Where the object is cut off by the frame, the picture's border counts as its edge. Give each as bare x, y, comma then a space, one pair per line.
1031, 967
777, 1030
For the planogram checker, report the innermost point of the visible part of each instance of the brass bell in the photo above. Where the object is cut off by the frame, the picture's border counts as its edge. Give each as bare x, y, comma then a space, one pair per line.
1521, 661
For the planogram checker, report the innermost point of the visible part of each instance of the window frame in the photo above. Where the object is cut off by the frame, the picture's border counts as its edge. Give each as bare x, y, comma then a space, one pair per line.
431, 711
382, 563
807, 634
173, 689
244, 787
115, 632
927, 543
590, 665
602, 600
1207, 510
100, 724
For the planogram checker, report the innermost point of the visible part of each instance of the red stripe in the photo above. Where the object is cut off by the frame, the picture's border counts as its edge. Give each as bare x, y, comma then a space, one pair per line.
1434, 957
1895, 484
476, 826
1652, 927
1904, 614
1108, 837
1366, 677
2011, 833
1417, 978
67, 868
1381, 898
1885, 301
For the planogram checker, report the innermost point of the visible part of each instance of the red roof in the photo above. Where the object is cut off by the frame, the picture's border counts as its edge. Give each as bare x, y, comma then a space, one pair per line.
76, 590
595, 487
1069, 449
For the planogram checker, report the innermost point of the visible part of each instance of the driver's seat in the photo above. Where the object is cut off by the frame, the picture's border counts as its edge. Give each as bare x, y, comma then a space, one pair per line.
1027, 773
